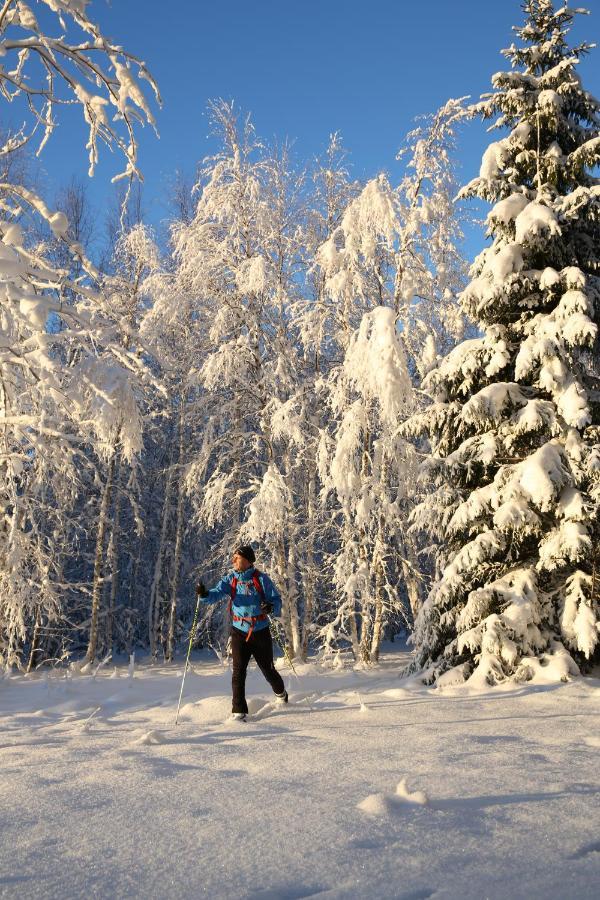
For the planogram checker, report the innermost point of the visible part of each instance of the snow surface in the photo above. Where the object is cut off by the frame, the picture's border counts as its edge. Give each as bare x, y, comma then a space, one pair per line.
367, 785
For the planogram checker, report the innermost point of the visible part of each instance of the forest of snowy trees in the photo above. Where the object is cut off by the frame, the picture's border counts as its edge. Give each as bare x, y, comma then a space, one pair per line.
308, 364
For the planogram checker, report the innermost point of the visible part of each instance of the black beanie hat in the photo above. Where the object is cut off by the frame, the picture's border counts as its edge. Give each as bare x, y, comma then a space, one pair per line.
247, 553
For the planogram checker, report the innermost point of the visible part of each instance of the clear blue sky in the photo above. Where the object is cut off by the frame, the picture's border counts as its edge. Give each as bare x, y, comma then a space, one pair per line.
303, 69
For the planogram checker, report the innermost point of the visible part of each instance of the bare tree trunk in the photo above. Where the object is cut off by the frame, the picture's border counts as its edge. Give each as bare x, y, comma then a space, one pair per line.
365, 625
378, 622
154, 605
132, 595
113, 558
178, 541
280, 578
97, 583
34, 640
411, 575
354, 634
309, 578
289, 569
351, 603
365, 611
293, 603
236, 481
379, 568
365, 632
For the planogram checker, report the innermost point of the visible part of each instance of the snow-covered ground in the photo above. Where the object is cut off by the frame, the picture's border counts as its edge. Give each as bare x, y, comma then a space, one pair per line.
499, 797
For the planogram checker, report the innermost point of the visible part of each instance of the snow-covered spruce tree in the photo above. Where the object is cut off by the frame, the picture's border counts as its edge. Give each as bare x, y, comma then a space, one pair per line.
45, 371
515, 419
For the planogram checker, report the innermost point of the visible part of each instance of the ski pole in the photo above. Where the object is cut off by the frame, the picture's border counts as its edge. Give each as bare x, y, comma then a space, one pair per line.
187, 659
282, 646
275, 633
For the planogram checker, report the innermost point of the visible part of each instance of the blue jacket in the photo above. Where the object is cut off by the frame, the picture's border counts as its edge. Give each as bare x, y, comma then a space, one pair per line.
247, 598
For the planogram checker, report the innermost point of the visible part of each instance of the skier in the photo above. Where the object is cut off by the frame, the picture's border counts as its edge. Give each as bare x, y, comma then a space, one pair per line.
252, 598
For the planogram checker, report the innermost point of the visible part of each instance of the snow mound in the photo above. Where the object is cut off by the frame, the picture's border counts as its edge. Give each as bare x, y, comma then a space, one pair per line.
376, 805
150, 737
418, 797
208, 711
558, 666
259, 707
387, 804
452, 677
413, 685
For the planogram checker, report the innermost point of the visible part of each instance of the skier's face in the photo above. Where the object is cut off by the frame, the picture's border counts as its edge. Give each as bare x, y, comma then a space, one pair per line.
240, 563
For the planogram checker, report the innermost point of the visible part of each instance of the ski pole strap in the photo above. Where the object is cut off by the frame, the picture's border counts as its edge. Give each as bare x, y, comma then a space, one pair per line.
252, 619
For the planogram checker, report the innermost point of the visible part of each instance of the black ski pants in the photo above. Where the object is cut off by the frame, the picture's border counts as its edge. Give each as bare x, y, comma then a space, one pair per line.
259, 646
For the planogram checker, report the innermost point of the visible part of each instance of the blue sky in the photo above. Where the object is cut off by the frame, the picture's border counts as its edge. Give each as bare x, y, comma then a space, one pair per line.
303, 69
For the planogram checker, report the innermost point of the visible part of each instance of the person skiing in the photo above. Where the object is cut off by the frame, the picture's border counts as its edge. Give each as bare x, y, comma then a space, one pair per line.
252, 599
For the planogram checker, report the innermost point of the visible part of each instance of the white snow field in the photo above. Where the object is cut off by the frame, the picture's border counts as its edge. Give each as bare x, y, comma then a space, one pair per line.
367, 785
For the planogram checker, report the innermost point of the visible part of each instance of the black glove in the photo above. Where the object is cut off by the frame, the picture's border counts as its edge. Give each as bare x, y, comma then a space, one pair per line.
201, 589
266, 608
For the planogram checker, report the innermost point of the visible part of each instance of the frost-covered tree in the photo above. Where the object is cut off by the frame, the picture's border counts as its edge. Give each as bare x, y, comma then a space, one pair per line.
275, 513
515, 418
297, 423
80, 65
125, 382
237, 257
53, 383
174, 327
391, 271
368, 467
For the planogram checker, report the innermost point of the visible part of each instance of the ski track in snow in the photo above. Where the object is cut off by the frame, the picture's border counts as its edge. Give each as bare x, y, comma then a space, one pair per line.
364, 785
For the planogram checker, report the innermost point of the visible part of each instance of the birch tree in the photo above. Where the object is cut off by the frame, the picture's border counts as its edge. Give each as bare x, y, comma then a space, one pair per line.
48, 409
394, 253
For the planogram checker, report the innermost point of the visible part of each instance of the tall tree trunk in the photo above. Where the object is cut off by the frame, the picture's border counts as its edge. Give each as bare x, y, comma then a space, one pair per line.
378, 621
280, 578
365, 625
178, 540
296, 642
155, 598
350, 602
236, 481
290, 566
132, 594
354, 632
411, 574
113, 559
379, 566
365, 631
35, 639
98, 560
309, 571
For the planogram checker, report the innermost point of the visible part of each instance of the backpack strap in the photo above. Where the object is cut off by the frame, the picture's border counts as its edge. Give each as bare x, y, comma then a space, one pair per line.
234, 582
258, 585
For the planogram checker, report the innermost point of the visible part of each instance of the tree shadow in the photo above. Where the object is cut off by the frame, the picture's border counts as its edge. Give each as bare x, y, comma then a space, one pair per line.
486, 800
